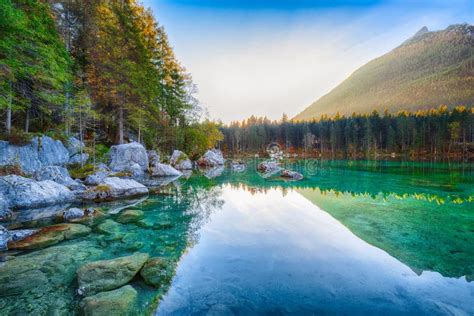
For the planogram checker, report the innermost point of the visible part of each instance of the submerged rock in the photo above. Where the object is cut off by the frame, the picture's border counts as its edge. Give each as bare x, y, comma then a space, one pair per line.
110, 274
117, 302
42, 151
113, 187
129, 216
122, 157
156, 272
211, 158
164, 170
50, 235
292, 175
109, 227
180, 161
27, 193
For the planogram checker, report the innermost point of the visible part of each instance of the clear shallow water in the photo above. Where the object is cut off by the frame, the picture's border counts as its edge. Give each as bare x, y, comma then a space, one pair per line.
351, 238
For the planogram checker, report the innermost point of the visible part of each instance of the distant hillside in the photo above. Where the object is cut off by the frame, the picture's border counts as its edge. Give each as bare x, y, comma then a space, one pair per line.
427, 70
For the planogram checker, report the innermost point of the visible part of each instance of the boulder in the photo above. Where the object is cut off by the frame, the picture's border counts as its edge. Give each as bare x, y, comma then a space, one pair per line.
156, 272
4, 238
164, 170
113, 187
136, 171
96, 178
292, 175
20, 234
153, 158
268, 166
211, 158
74, 147
5, 212
105, 275
50, 235
119, 302
42, 151
59, 175
238, 166
180, 161
109, 227
73, 213
130, 216
22, 192
122, 157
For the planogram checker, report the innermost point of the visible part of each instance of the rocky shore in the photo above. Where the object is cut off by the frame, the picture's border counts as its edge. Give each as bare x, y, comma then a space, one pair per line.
52, 243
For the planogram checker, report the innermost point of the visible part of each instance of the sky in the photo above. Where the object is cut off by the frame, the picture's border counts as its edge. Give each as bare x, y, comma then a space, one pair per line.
269, 57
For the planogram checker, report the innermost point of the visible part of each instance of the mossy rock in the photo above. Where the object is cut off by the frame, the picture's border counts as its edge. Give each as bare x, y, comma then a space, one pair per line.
157, 272
117, 302
50, 235
130, 216
105, 275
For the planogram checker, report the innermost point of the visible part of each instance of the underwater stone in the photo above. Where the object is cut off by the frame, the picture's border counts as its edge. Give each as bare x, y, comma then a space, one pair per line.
156, 272
129, 216
117, 302
50, 235
110, 274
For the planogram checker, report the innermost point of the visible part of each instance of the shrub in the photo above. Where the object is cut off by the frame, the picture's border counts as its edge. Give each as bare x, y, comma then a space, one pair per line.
11, 169
18, 137
78, 172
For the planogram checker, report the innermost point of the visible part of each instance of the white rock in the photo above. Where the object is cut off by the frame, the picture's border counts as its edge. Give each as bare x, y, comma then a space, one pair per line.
293, 175
73, 213
60, 175
96, 178
180, 161
4, 238
122, 157
42, 151
153, 158
113, 187
74, 147
27, 193
212, 158
164, 170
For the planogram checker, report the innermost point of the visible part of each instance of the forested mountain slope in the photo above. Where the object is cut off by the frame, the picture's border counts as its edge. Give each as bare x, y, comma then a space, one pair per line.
429, 69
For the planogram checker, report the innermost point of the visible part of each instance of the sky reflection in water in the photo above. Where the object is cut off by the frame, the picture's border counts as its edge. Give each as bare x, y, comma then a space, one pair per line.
279, 253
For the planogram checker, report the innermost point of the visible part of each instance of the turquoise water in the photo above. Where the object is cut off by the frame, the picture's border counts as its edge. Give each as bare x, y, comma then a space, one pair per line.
353, 237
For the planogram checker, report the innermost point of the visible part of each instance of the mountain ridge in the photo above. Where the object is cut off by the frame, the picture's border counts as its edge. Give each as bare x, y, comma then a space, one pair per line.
429, 69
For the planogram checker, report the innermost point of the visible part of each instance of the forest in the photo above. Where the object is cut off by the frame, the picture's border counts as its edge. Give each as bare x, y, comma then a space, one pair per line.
100, 70
431, 133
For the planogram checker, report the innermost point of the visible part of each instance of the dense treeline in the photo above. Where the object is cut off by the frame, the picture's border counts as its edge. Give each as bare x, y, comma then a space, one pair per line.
436, 132
100, 69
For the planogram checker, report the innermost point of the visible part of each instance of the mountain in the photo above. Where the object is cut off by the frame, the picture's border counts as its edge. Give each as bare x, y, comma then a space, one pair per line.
427, 70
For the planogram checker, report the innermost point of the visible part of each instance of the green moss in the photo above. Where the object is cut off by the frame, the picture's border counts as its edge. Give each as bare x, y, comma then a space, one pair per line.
78, 172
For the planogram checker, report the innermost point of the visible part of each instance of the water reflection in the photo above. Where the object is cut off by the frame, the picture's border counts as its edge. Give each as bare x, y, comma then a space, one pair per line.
275, 252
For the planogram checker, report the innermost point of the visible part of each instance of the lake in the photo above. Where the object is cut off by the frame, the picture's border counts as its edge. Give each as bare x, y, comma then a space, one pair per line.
352, 237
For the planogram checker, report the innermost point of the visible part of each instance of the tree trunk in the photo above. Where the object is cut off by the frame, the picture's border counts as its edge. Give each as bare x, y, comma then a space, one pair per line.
27, 121
121, 140
8, 123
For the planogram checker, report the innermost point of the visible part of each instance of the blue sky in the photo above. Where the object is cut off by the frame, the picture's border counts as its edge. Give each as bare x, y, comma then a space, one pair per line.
266, 57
